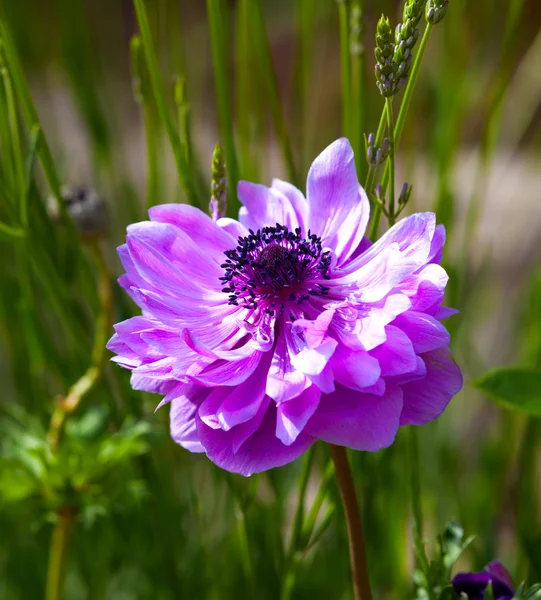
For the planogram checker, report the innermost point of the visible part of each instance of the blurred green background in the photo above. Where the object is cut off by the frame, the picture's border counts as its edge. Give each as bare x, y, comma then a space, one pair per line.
150, 519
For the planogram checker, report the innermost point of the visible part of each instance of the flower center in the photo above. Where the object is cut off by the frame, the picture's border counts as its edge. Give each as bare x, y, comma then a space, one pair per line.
274, 266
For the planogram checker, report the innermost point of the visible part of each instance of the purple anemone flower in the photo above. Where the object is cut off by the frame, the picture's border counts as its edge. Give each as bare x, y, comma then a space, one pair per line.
288, 326
473, 585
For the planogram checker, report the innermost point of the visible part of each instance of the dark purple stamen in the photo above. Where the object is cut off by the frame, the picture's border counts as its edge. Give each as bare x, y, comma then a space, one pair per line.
274, 266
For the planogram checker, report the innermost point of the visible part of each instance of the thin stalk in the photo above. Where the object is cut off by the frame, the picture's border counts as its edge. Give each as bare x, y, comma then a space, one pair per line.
415, 482
345, 66
306, 11
30, 115
58, 554
219, 58
98, 358
310, 521
400, 120
288, 580
18, 159
156, 84
390, 125
371, 174
273, 94
406, 99
357, 76
357, 550
151, 143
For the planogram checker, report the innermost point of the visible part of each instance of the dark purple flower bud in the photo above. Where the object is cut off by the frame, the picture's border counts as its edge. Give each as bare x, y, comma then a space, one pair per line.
473, 585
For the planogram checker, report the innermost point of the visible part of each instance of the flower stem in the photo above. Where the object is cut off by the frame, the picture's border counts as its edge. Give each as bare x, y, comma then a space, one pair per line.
357, 551
390, 124
56, 569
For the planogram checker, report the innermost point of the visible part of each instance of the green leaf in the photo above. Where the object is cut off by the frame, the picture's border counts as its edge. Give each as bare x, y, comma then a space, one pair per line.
518, 389
489, 592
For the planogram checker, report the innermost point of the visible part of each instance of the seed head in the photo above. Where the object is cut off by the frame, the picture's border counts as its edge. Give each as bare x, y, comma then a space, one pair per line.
386, 67
87, 209
218, 186
436, 10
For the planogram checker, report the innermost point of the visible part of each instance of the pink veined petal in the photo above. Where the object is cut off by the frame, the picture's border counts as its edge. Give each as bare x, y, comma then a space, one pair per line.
233, 227
356, 420
314, 331
297, 200
396, 356
185, 400
150, 385
436, 248
264, 206
284, 381
324, 380
373, 280
338, 205
293, 415
159, 369
210, 239
168, 260
355, 369
312, 361
426, 398
259, 451
224, 372
424, 331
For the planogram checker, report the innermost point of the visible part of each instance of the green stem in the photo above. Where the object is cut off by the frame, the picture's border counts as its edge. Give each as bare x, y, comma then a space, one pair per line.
345, 64
92, 375
390, 124
58, 553
31, 117
218, 39
357, 550
273, 96
399, 125
161, 102
288, 580
371, 174
357, 104
406, 99
151, 141
415, 482
18, 159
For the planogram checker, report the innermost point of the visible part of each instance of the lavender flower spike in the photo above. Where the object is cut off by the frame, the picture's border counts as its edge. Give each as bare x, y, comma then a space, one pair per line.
288, 326
473, 585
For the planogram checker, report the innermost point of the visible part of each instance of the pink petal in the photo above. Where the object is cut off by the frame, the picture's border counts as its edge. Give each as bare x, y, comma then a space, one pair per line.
359, 421
259, 451
263, 206
424, 331
338, 205
293, 415
425, 399
296, 199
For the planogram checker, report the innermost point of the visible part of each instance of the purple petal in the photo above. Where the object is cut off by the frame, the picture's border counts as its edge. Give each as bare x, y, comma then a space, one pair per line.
338, 205
205, 233
425, 399
312, 361
496, 569
297, 200
355, 369
425, 332
396, 356
259, 451
264, 206
284, 380
359, 421
293, 415
185, 400
233, 227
